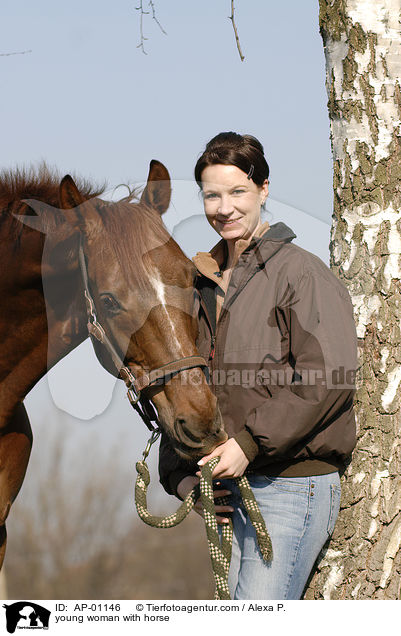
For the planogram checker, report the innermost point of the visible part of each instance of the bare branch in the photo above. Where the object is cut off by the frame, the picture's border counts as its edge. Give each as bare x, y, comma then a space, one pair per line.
151, 4
16, 53
142, 13
232, 18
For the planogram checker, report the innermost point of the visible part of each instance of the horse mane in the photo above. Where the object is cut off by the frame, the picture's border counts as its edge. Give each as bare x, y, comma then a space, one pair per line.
132, 229
34, 182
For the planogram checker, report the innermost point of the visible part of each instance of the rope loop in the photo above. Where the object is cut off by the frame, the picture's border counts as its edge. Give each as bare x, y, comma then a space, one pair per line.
219, 542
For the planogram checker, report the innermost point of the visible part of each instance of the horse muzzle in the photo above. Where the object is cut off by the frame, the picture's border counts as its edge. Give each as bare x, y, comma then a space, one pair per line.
193, 442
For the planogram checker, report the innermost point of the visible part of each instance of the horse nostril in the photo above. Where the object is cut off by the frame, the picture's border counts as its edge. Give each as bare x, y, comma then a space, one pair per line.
184, 433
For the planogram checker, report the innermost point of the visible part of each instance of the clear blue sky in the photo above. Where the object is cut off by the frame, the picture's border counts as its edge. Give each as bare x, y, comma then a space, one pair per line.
88, 101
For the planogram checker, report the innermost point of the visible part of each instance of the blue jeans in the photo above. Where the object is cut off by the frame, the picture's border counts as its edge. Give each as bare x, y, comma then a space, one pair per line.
300, 514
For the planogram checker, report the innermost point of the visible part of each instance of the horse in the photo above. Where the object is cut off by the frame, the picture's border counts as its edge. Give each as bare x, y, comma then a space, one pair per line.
141, 284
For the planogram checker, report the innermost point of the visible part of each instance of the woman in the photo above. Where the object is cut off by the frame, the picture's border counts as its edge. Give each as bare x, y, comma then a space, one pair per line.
278, 330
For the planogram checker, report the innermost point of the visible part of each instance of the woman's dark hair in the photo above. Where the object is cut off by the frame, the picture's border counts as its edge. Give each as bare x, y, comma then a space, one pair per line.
231, 149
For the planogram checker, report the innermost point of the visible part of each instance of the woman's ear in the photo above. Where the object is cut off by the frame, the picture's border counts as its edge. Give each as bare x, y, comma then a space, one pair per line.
264, 191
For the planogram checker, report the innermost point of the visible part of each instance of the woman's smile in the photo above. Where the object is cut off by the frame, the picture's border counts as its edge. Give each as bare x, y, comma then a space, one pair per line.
227, 221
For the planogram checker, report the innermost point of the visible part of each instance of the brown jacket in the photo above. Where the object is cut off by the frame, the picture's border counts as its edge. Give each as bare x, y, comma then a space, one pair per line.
282, 358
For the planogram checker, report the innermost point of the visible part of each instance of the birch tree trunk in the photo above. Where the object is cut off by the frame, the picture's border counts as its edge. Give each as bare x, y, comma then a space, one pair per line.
362, 44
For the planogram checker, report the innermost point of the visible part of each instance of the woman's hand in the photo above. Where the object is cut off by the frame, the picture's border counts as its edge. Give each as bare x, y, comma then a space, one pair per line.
233, 460
185, 486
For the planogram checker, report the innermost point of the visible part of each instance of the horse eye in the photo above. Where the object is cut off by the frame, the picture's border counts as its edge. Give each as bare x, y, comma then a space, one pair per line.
110, 304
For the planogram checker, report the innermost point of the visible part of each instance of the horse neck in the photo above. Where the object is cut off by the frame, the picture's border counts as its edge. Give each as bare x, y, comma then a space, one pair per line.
43, 317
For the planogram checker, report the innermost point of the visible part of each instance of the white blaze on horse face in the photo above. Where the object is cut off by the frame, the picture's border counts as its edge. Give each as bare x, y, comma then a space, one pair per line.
138, 306
161, 296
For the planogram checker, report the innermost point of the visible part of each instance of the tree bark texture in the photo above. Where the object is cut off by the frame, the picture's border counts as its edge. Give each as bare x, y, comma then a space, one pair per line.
362, 43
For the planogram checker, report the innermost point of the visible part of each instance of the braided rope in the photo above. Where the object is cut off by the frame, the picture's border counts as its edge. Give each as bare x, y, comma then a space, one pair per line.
220, 551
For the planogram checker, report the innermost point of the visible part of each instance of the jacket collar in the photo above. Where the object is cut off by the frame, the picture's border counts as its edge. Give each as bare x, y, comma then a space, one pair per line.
268, 239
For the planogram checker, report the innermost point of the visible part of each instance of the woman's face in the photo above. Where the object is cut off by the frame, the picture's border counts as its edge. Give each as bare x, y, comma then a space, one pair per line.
232, 202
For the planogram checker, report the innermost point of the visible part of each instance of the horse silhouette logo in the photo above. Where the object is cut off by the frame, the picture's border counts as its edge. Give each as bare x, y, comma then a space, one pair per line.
26, 615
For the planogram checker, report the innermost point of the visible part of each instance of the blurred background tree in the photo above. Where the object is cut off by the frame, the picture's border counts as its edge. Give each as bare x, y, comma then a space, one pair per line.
74, 531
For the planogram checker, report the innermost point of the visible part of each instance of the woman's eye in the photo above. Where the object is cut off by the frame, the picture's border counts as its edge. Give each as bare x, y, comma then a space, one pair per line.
210, 195
110, 304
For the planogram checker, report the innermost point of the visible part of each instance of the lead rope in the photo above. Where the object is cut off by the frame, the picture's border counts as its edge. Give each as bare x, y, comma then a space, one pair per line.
220, 552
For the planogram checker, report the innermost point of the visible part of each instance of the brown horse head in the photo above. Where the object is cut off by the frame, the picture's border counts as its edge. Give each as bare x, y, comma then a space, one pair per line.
142, 286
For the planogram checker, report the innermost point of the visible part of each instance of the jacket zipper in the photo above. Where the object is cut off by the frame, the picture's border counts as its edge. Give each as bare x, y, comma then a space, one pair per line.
213, 347
213, 335
243, 282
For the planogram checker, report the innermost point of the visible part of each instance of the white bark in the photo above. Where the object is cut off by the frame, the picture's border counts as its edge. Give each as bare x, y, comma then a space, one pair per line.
362, 41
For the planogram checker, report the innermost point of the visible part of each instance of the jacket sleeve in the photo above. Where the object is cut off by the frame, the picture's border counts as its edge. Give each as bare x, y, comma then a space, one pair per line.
318, 320
172, 467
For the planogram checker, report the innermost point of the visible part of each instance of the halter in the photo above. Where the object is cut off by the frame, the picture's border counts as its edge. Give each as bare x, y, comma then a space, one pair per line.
135, 386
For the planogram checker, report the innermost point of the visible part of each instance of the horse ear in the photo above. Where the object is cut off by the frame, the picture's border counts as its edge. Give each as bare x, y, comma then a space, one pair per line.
70, 200
79, 216
70, 196
157, 193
